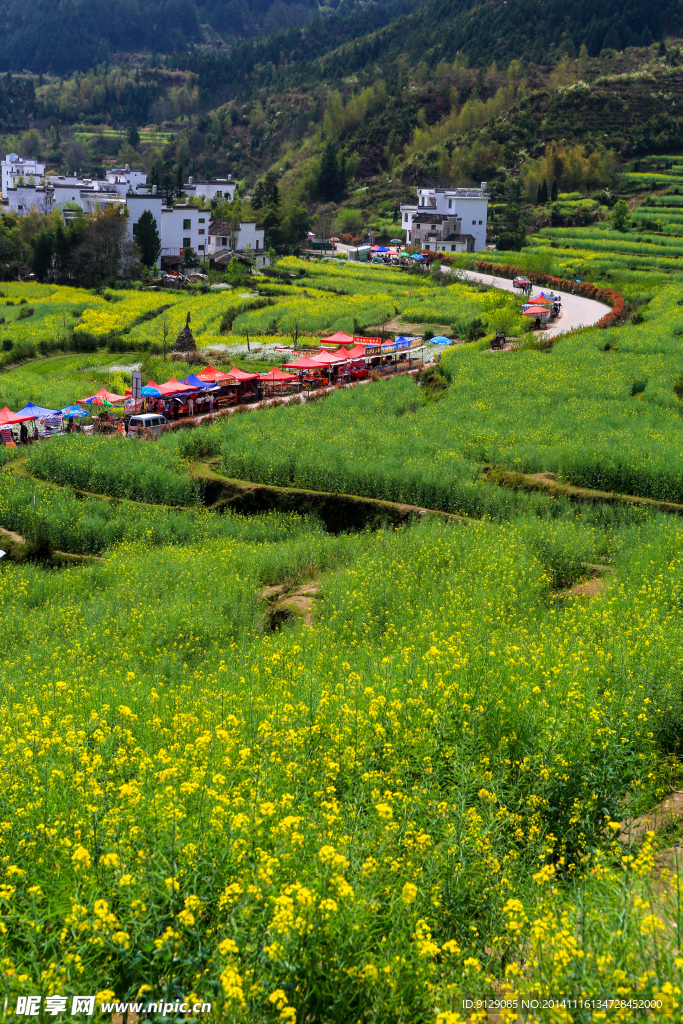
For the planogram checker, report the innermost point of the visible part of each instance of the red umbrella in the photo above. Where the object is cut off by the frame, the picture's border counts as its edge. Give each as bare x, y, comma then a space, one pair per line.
101, 397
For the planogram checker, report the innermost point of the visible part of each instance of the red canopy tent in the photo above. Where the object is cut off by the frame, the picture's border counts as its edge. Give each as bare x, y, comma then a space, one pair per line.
101, 397
357, 352
336, 339
277, 375
536, 311
208, 374
305, 363
240, 375
8, 418
171, 387
330, 358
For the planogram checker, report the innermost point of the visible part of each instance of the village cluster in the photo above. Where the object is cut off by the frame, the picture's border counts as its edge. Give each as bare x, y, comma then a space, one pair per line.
183, 227
442, 220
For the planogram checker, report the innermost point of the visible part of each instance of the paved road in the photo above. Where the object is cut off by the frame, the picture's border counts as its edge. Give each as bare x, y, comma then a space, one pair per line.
576, 311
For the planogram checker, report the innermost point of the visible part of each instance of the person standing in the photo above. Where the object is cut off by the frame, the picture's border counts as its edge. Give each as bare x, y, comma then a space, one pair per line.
190, 407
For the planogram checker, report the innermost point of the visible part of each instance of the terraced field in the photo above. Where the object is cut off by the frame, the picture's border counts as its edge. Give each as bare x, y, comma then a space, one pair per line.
349, 711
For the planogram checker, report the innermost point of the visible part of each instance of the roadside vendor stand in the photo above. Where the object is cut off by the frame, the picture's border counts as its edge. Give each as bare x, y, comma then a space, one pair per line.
9, 419
48, 421
277, 379
309, 370
248, 389
104, 423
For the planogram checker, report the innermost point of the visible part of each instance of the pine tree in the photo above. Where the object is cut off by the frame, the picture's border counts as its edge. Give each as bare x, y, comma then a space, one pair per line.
147, 238
553, 191
329, 187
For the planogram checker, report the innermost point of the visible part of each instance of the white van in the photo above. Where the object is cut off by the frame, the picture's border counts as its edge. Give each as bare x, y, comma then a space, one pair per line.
146, 421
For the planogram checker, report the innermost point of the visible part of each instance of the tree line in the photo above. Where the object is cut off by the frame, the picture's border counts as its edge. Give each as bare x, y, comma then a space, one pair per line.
85, 250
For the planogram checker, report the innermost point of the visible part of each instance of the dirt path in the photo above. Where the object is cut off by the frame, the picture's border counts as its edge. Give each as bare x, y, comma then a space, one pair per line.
548, 483
286, 602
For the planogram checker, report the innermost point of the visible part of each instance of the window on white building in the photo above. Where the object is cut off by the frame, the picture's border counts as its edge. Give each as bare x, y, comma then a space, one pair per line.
202, 220
450, 204
480, 222
224, 241
187, 225
187, 242
474, 222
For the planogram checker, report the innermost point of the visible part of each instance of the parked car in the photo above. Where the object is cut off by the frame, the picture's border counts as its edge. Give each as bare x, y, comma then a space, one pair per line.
521, 282
146, 421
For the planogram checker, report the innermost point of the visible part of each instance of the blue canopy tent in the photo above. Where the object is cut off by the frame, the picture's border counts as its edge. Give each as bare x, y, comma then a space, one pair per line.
38, 412
407, 337
195, 382
440, 339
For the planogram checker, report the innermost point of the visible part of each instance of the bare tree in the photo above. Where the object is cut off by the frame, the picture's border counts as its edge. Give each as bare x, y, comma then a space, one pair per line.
104, 253
165, 329
234, 231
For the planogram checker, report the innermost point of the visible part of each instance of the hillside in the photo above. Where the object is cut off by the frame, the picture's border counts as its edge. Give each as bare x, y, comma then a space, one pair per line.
65, 37
346, 113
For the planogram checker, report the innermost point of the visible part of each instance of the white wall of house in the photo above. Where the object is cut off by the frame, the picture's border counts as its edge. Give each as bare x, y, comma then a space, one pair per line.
218, 188
249, 235
89, 197
470, 205
184, 227
125, 176
24, 198
14, 168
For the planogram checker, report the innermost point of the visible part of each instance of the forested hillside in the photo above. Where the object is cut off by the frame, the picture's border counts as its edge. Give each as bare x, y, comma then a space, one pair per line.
76, 35
79, 34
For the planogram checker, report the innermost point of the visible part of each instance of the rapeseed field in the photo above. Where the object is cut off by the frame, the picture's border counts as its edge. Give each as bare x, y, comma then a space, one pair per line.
410, 803
357, 777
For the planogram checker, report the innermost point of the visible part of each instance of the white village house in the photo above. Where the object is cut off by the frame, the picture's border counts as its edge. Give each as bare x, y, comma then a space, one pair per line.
16, 170
248, 240
218, 188
447, 219
181, 226
184, 227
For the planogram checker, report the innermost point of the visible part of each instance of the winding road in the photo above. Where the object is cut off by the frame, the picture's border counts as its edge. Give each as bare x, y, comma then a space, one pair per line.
576, 310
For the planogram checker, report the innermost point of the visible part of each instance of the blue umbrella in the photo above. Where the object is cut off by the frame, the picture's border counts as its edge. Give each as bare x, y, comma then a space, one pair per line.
74, 410
149, 392
440, 339
416, 256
